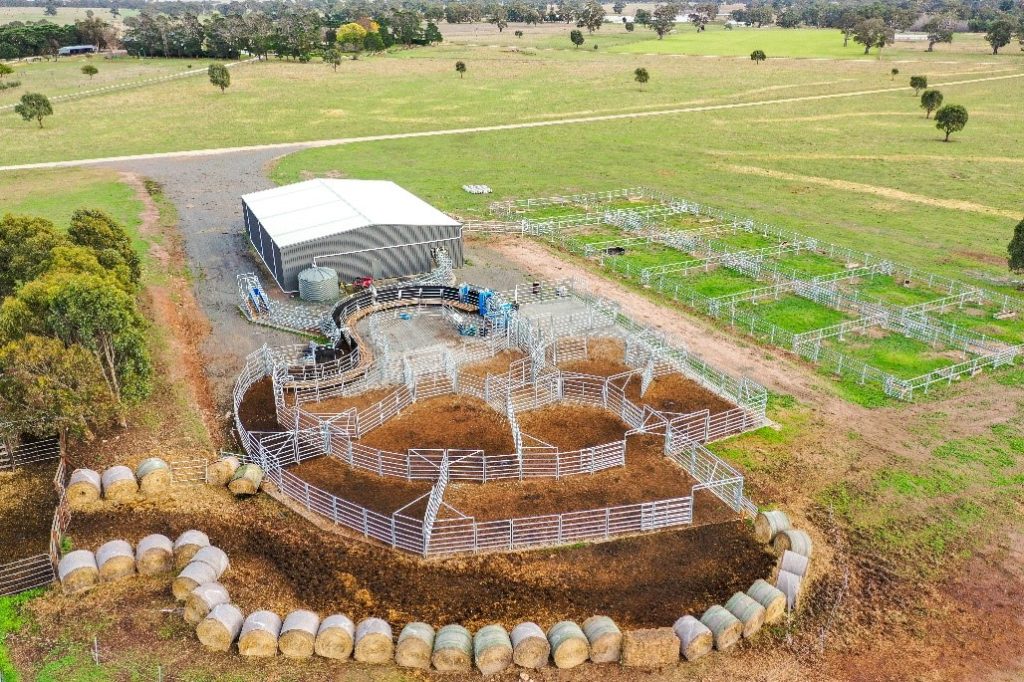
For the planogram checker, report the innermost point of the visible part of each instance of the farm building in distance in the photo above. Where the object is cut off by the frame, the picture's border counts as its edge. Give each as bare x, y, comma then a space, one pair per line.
360, 228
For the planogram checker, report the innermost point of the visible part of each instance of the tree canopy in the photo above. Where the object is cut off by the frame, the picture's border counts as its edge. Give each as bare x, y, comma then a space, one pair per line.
1015, 249
34, 106
930, 101
219, 76
951, 118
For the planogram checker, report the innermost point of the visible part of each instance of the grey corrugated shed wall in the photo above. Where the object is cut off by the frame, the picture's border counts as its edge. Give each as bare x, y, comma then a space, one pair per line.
409, 252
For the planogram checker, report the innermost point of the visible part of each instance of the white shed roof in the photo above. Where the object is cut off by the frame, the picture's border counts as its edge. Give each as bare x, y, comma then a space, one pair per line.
318, 208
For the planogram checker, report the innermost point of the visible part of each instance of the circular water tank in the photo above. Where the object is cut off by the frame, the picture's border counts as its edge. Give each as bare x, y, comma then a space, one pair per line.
318, 284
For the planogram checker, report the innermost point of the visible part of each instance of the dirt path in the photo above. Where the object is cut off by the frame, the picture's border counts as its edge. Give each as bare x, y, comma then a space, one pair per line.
282, 146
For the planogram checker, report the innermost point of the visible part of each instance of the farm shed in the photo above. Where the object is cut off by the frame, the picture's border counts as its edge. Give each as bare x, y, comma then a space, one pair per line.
357, 227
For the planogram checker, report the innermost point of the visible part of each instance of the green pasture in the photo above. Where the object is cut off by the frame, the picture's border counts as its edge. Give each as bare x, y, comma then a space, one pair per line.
65, 15
717, 282
794, 314
745, 241
892, 290
982, 320
896, 354
809, 264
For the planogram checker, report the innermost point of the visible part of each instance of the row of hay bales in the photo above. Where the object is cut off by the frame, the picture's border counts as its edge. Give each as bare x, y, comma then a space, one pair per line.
241, 479
119, 483
794, 549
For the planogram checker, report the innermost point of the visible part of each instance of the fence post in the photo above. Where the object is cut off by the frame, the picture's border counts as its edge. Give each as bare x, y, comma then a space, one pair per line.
607, 522
366, 523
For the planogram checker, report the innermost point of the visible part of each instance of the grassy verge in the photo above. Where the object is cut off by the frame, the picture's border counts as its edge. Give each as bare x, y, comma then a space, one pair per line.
12, 620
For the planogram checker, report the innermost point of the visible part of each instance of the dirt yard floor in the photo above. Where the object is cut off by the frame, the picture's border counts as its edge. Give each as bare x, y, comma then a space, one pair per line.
571, 427
647, 476
379, 493
27, 501
447, 421
605, 359
359, 401
257, 411
676, 393
497, 364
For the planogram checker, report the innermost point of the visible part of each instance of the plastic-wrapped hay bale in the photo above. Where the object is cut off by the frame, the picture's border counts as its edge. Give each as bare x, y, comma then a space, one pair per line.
221, 471
605, 639
192, 576
771, 598
569, 646
298, 634
530, 647
119, 484
453, 650
154, 555
768, 524
246, 480
789, 584
115, 560
793, 540
695, 640
649, 648
796, 564
83, 487
186, 546
215, 557
259, 634
415, 645
202, 599
335, 636
492, 649
220, 627
154, 476
373, 643
725, 627
747, 611
77, 571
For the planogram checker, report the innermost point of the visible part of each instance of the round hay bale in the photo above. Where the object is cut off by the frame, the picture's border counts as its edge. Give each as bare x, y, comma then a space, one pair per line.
298, 634
492, 649
453, 650
796, 564
154, 555
154, 476
192, 576
220, 627
569, 646
334, 637
77, 571
83, 488
650, 648
215, 557
202, 599
246, 480
605, 639
115, 560
374, 643
259, 634
793, 540
771, 598
695, 640
119, 484
186, 546
748, 611
221, 471
415, 645
725, 627
530, 647
789, 584
768, 524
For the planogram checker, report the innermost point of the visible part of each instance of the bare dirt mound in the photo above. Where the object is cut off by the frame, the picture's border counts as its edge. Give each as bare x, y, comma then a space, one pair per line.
454, 422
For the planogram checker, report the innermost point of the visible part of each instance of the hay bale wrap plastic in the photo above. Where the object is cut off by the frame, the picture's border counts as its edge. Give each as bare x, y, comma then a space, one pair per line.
298, 634
215, 557
202, 599
771, 598
335, 637
84, 487
530, 646
115, 560
415, 646
246, 480
768, 524
797, 541
695, 639
186, 546
492, 649
569, 646
221, 471
650, 648
453, 650
154, 476
373, 642
725, 627
259, 634
220, 627
797, 564
748, 611
154, 555
192, 576
605, 639
119, 484
790, 585
78, 571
